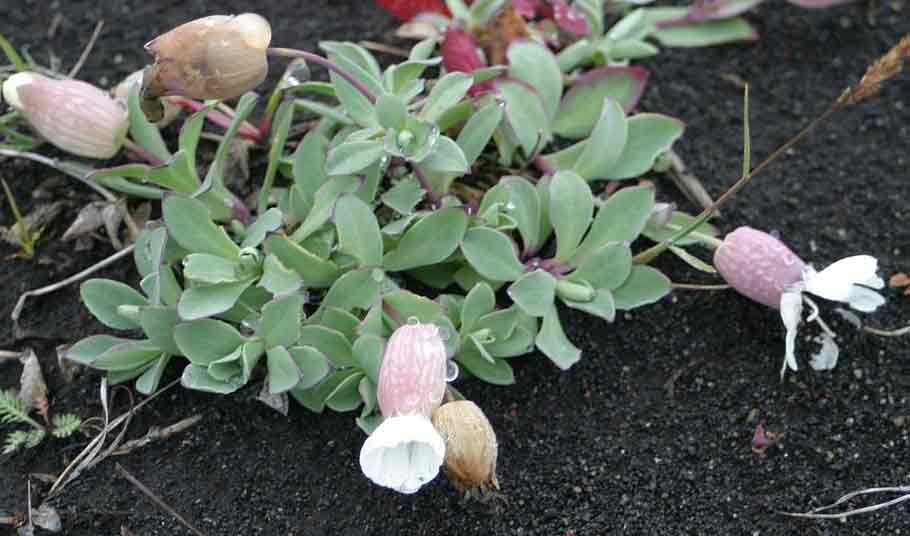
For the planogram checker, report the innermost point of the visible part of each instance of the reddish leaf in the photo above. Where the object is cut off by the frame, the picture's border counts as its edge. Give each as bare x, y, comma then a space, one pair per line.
408, 9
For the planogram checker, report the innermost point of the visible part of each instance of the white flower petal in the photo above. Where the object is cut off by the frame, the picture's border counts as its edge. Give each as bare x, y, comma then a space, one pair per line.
836, 281
826, 357
403, 453
791, 311
865, 299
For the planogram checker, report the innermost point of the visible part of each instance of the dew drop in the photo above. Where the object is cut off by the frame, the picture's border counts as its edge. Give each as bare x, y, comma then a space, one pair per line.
451, 370
413, 321
377, 275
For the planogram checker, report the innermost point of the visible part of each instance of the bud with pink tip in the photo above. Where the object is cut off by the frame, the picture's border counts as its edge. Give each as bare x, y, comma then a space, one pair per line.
405, 451
75, 116
757, 265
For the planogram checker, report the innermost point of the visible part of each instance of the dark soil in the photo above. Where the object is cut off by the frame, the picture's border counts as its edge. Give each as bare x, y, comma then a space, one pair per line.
603, 448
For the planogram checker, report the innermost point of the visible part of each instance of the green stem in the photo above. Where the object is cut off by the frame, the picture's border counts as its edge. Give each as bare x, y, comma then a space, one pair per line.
28, 243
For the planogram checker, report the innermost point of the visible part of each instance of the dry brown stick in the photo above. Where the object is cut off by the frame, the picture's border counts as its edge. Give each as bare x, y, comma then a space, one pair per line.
157, 500
88, 50
20, 303
689, 184
157, 434
387, 49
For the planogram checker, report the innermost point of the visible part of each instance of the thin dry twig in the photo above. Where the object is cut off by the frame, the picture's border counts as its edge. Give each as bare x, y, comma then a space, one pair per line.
88, 50
888, 332
157, 500
386, 49
688, 183
156, 434
89, 455
814, 514
20, 303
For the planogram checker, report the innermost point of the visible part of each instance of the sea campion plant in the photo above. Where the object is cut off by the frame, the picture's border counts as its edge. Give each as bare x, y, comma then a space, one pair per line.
403, 179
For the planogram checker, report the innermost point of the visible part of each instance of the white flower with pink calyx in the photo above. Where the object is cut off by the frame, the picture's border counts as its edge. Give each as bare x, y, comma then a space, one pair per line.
405, 451
762, 268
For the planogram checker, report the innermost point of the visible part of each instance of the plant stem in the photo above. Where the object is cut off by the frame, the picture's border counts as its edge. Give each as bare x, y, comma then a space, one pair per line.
141, 152
425, 184
319, 60
651, 253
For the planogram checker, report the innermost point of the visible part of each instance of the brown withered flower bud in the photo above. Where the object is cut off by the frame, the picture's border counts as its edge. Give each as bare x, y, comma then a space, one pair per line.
471, 448
215, 57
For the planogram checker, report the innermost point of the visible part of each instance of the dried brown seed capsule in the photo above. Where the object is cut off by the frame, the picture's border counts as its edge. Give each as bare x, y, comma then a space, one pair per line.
215, 57
471, 448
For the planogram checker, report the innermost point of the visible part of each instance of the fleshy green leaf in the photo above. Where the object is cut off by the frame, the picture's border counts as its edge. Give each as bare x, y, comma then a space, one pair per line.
404, 196
478, 131
535, 64
602, 305
446, 157
353, 156
368, 352
606, 142
479, 301
534, 292
127, 356
316, 272
645, 285
357, 289
581, 106
158, 323
277, 278
391, 111
649, 136
102, 297
196, 377
429, 241
190, 225
331, 343
313, 365
142, 130
497, 373
280, 322
523, 112
346, 396
492, 254
283, 371
267, 223
207, 340
358, 231
620, 219
552, 341
211, 269
91, 348
571, 209
605, 268
447, 92
523, 204
210, 300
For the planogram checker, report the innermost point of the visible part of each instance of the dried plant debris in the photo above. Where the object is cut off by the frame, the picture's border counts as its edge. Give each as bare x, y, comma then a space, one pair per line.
900, 280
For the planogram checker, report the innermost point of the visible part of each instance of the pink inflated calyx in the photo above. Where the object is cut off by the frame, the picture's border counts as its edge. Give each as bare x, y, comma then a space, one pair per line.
413, 370
757, 265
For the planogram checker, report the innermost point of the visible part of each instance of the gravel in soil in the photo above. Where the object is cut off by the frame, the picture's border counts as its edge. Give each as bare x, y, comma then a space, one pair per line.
607, 447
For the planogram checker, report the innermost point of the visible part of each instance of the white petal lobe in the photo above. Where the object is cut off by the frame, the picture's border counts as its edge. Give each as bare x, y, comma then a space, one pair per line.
403, 453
